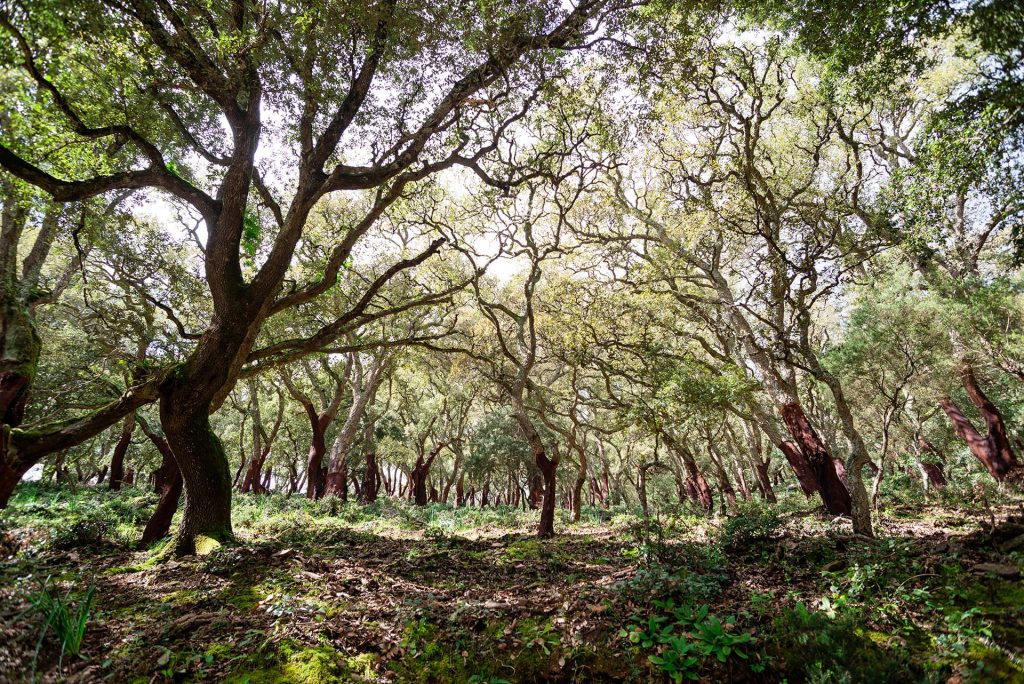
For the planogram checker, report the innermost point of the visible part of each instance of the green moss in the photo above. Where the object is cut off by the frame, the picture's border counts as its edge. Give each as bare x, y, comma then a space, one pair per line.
316, 665
992, 665
183, 597
218, 650
244, 598
523, 549
206, 545
361, 666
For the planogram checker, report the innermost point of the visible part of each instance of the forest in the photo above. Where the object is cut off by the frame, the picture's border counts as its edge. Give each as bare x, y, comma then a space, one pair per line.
489, 341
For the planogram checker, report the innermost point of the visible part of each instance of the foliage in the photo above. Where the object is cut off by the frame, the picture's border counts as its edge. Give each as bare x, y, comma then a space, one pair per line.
751, 526
60, 616
682, 636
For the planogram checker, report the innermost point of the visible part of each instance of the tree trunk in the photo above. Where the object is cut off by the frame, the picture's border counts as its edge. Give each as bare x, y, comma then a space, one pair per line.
993, 450
536, 494
120, 450
314, 461
577, 492
932, 474
369, 489
420, 473
833, 493
700, 485
460, 491
168, 482
641, 488
204, 470
546, 528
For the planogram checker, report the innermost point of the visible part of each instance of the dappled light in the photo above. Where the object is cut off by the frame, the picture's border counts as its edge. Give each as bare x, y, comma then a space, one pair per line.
494, 342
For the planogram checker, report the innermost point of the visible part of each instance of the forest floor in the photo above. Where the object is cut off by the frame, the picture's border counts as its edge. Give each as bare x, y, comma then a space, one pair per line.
321, 592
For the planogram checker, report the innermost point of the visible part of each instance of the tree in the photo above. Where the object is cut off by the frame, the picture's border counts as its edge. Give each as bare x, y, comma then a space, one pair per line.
366, 123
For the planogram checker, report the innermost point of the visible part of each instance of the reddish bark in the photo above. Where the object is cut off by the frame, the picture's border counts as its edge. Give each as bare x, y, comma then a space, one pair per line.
801, 467
764, 480
14, 388
420, 472
700, 485
993, 449
841, 471
251, 482
370, 483
316, 481
170, 483
336, 484
548, 468
727, 488
120, 450
691, 490
933, 472
833, 492
536, 494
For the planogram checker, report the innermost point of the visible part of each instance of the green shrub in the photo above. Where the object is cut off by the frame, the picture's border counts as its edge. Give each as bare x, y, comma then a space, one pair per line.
753, 524
815, 646
683, 639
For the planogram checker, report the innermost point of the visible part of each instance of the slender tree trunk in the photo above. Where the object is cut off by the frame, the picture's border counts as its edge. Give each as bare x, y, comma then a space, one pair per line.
120, 450
932, 474
577, 491
548, 467
369, 489
168, 482
641, 488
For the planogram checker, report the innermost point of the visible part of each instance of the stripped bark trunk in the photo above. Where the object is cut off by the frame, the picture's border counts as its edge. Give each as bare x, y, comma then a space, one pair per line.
833, 492
168, 483
420, 472
992, 449
120, 450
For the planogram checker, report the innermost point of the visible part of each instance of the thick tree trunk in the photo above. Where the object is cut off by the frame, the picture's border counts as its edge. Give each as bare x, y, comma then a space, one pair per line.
420, 473
764, 481
536, 494
315, 459
833, 492
700, 485
204, 469
9, 479
801, 468
460, 491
